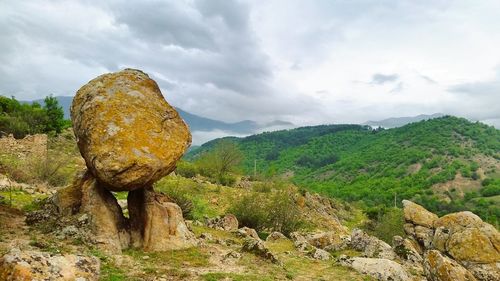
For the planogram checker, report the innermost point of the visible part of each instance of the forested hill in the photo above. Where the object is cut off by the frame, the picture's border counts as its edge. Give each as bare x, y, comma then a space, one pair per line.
446, 164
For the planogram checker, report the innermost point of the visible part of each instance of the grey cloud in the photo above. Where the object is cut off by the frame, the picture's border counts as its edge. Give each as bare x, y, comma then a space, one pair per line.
379, 78
427, 79
398, 88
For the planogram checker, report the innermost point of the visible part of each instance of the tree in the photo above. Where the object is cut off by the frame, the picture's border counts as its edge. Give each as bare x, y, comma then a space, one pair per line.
55, 114
222, 160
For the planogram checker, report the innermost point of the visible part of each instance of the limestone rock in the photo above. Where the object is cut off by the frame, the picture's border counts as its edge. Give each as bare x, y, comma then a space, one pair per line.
424, 236
407, 249
156, 224
441, 268
371, 246
258, 247
380, 269
34, 265
418, 215
127, 133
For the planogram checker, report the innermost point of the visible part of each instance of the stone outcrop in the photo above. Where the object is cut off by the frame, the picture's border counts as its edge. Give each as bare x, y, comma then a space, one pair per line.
441, 268
457, 246
127, 133
34, 265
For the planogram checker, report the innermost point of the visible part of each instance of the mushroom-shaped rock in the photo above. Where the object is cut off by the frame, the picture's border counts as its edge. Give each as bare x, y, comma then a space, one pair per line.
127, 133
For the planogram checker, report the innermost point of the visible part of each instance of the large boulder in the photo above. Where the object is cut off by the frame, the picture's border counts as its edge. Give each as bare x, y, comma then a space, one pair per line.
438, 267
127, 133
34, 265
418, 215
466, 238
156, 224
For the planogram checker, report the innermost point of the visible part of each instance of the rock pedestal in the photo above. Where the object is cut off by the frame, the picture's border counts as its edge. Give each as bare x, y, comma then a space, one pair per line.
155, 223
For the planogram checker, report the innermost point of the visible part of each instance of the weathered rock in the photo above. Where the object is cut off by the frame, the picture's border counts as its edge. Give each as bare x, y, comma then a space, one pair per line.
258, 247
275, 236
467, 238
380, 269
320, 254
323, 240
156, 224
484, 272
438, 267
248, 232
424, 236
127, 133
406, 249
34, 265
228, 222
371, 246
418, 215
105, 217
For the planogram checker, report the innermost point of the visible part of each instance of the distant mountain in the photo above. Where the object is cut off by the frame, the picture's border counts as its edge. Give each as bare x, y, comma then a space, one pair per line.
395, 122
198, 123
446, 164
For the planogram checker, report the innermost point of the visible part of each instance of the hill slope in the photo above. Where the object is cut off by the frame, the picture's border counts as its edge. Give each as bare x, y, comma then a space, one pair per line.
443, 163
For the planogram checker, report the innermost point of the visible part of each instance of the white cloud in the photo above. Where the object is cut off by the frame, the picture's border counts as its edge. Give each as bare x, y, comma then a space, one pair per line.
302, 61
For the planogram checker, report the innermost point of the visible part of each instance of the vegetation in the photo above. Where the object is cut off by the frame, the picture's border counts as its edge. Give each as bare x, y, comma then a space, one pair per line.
21, 119
356, 163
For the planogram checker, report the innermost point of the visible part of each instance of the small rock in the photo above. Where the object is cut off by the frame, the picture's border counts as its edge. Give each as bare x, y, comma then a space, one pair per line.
380, 269
320, 254
275, 236
206, 236
248, 232
258, 247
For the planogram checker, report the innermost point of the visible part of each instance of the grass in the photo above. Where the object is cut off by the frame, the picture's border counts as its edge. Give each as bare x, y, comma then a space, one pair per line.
233, 276
22, 200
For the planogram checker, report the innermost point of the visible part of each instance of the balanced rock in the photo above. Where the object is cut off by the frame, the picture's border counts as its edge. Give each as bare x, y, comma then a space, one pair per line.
127, 133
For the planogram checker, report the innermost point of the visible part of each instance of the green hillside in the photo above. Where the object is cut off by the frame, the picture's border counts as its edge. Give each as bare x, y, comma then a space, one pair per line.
447, 164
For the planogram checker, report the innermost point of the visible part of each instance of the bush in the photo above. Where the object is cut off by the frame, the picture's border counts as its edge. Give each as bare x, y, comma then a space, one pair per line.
186, 169
389, 222
263, 212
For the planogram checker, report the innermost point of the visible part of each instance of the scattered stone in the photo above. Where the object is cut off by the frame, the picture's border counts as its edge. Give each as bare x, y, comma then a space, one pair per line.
327, 240
438, 267
228, 223
127, 133
34, 265
275, 236
380, 269
206, 236
371, 246
320, 254
258, 247
248, 232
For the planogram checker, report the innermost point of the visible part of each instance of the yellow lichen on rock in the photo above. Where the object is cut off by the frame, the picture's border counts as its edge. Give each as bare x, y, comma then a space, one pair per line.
127, 133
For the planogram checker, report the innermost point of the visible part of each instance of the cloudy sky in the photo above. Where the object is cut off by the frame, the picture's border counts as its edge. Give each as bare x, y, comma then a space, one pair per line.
307, 62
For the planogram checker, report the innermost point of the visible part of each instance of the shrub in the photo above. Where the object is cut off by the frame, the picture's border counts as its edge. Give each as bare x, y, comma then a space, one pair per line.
186, 169
388, 224
263, 212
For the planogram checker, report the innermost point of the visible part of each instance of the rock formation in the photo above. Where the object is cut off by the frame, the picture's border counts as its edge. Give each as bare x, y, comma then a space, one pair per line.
457, 246
129, 137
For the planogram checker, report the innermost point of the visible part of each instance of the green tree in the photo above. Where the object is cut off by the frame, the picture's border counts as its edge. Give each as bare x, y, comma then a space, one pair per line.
55, 114
221, 161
